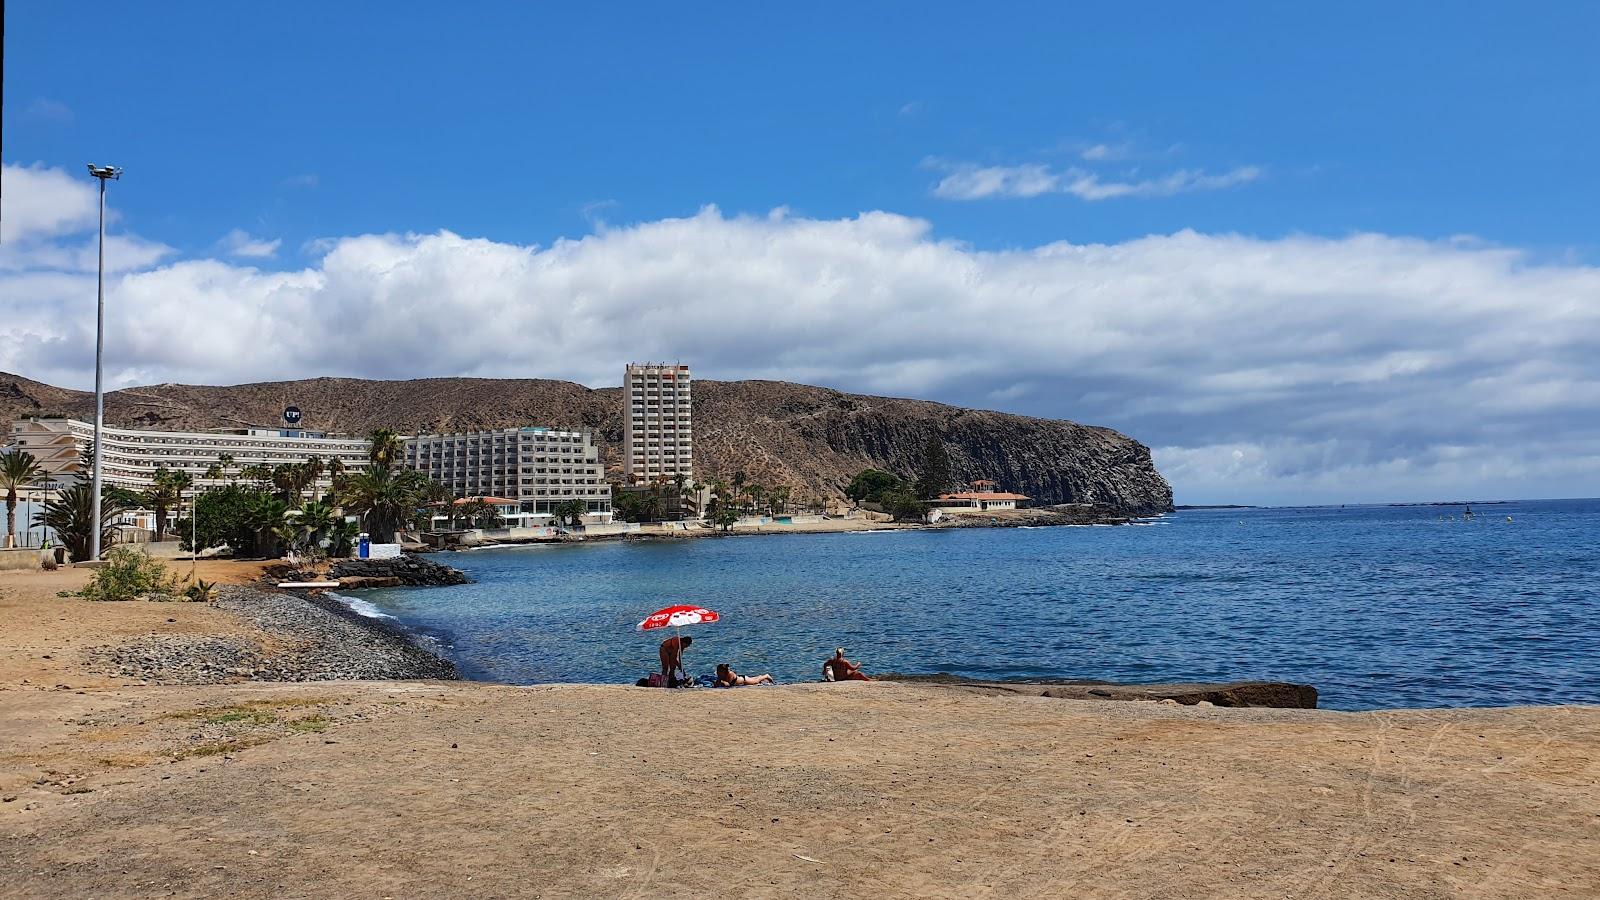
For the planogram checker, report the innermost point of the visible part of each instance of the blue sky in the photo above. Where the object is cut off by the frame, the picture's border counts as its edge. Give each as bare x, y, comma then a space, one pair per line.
1331, 184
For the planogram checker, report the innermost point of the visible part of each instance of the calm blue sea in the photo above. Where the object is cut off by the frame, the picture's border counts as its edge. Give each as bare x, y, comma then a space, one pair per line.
1376, 606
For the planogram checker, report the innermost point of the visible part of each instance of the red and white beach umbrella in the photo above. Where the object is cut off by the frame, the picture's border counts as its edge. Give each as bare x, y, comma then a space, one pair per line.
678, 616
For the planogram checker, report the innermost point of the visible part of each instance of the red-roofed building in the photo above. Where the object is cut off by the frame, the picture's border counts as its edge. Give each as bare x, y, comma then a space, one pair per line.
982, 498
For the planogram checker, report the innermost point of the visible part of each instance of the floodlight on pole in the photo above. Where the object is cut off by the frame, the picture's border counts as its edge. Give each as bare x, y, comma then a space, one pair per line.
104, 173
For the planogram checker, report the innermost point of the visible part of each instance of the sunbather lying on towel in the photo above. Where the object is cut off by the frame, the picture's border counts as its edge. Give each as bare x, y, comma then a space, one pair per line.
727, 677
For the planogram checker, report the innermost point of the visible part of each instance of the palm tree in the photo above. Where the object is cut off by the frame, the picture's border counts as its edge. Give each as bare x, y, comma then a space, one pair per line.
309, 526
383, 499
70, 513
166, 492
387, 448
316, 520
571, 512
653, 503
257, 473
476, 512
342, 537
224, 463
213, 472
18, 469
265, 516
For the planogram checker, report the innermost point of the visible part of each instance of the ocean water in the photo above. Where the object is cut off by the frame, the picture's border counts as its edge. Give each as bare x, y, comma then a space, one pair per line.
1378, 607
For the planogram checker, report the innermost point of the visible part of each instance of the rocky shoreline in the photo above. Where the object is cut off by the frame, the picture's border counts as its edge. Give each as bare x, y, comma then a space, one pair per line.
301, 639
1041, 517
1239, 694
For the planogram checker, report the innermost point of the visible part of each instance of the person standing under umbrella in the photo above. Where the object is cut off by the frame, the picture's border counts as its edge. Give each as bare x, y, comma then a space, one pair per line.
672, 659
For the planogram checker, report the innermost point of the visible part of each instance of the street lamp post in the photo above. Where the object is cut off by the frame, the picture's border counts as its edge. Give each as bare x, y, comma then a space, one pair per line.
104, 173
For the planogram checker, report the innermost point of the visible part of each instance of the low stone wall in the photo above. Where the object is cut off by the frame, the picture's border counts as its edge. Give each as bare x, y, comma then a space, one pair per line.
163, 550
20, 559
495, 535
610, 528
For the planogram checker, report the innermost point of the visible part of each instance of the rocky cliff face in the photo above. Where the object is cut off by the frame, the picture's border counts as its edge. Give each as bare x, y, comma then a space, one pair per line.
809, 438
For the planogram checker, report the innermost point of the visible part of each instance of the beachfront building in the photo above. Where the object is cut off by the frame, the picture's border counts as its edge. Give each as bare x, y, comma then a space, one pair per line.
536, 468
658, 434
981, 497
131, 456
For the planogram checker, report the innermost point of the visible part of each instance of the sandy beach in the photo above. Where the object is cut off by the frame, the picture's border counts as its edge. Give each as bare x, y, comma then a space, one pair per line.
437, 788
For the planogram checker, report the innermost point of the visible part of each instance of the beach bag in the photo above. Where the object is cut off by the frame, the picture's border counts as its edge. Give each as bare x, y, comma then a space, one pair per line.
655, 680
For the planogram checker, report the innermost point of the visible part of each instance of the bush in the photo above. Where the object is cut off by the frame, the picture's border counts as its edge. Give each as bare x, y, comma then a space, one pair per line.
130, 575
235, 516
904, 506
872, 485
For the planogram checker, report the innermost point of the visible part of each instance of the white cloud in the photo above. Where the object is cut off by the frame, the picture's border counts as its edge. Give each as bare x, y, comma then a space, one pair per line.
239, 243
42, 203
965, 181
1105, 152
1364, 367
50, 110
969, 182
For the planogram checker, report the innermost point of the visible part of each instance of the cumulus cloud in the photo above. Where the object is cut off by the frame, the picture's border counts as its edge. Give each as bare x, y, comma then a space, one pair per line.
42, 203
50, 220
1367, 367
965, 181
240, 243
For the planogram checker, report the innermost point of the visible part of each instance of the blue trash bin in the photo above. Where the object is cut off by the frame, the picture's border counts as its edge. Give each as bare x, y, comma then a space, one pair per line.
364, 546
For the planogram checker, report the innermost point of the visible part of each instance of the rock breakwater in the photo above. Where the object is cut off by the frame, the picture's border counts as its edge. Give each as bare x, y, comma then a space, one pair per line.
409, 570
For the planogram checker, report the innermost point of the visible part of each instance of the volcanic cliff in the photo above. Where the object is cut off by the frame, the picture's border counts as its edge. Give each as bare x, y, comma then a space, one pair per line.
809, 438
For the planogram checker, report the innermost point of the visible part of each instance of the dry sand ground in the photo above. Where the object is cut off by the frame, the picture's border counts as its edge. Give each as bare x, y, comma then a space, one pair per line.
448, 789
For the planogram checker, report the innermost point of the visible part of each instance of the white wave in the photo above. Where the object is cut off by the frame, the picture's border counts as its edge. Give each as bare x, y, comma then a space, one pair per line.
361, 607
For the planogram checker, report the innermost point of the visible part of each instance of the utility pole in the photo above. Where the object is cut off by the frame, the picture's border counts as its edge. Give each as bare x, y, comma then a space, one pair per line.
104, 173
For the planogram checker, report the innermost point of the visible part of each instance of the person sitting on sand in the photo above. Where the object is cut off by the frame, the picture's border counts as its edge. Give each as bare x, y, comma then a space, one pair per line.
672, 660
727, 677
840, 669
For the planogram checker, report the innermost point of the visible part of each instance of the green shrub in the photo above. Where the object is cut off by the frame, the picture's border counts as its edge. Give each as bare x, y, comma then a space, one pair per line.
904, 506
872, 485
129, 574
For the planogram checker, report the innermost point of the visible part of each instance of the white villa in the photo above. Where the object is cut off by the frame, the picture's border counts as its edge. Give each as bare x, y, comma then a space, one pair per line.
981, 498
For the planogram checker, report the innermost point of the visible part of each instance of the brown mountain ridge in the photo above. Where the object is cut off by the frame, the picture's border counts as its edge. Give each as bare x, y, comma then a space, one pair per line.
811, 439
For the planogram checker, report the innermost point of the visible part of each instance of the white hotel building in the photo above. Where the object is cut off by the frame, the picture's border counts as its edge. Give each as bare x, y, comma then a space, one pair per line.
537, 468
659, 440
131, 456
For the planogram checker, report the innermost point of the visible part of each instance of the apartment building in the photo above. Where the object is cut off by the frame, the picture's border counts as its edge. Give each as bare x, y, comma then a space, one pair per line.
540, 468
131, 456
659, 434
